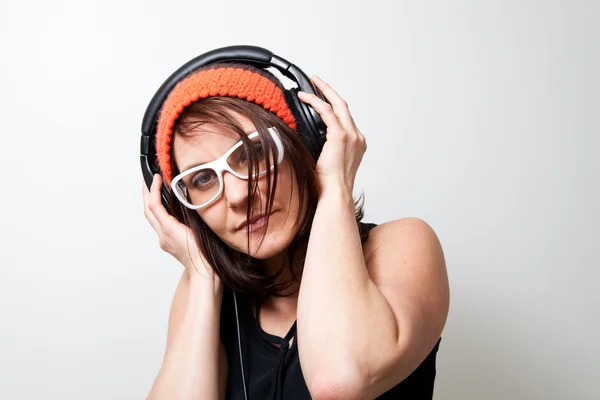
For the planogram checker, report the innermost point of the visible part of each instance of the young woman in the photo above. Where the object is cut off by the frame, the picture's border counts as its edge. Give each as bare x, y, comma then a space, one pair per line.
285, 293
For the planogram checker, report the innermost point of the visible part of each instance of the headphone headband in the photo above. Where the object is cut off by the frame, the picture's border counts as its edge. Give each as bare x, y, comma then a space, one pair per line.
254, 55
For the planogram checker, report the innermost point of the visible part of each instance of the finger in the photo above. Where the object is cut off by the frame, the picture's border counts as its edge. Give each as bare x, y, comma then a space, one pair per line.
147, 212
145, 197
145, 191
340, 106
324, 109
155, 202
153, 221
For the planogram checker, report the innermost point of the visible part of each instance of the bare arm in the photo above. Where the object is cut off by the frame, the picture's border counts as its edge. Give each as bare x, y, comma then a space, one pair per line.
366, 321
366, 317
195, 364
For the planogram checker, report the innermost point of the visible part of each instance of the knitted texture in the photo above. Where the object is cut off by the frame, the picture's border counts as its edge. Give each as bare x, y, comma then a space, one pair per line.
243, 82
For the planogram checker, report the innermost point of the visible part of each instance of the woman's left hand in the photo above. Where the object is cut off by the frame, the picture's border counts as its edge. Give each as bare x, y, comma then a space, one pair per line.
345, 145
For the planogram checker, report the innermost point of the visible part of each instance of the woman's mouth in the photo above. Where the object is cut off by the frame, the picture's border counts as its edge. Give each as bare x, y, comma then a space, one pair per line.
256, 223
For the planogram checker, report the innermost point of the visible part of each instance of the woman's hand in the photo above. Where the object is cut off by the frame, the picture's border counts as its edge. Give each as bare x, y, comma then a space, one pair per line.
345, 145
174, 237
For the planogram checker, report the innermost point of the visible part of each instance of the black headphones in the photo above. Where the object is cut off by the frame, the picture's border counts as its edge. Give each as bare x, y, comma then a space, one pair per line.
310, 126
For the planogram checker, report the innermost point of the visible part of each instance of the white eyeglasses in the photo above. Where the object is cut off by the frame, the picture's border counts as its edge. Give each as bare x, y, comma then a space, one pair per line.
200, 186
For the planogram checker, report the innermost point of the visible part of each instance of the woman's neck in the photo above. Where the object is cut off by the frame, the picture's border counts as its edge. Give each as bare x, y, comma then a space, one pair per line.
275, 263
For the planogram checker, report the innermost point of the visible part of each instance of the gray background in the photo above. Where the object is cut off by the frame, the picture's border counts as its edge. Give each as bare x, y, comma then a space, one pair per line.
482, 118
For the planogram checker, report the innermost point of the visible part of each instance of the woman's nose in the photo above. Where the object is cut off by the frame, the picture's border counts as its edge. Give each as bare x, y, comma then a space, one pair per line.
235, 190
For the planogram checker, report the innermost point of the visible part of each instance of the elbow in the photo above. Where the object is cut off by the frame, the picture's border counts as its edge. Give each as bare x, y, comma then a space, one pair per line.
327, 386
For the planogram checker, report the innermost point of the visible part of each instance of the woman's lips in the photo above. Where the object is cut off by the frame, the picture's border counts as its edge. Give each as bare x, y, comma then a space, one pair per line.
257, 223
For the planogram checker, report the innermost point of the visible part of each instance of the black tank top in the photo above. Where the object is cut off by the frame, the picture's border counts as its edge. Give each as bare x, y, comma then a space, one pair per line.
274, 373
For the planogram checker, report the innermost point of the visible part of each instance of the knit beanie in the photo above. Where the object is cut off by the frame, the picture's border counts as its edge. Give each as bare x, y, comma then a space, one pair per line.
233, 80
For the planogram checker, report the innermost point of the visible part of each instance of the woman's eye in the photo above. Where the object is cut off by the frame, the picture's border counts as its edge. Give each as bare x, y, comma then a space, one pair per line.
257, 150
203, 179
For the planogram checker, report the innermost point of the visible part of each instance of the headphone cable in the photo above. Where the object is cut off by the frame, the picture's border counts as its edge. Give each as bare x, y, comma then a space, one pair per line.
237, 320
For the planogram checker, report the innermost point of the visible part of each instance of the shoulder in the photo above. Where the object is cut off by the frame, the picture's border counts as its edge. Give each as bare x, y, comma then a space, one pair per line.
406, 262
402, 235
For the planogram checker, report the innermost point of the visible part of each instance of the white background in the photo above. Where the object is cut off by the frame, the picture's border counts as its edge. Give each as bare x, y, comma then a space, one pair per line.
482, 118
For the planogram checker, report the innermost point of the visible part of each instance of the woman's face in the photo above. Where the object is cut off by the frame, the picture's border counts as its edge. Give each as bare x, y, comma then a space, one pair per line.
227, 215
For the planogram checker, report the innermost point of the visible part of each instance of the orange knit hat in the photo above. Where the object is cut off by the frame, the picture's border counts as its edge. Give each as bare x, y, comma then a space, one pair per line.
232, 80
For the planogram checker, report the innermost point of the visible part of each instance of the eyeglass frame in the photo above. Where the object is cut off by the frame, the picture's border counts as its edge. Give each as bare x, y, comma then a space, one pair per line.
220, 165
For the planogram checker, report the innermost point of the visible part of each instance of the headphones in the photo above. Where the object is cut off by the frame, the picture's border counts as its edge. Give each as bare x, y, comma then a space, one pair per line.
310, 126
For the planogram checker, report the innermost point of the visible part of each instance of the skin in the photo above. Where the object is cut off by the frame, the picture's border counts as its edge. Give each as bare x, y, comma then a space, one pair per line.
397, 282
207, 143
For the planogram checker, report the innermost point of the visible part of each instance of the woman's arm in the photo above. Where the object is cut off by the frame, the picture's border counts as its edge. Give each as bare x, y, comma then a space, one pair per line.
195, 364
365, 325
367, 319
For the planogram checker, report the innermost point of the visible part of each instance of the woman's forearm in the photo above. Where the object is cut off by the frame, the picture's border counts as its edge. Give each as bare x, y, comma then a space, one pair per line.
190, 369
344, 322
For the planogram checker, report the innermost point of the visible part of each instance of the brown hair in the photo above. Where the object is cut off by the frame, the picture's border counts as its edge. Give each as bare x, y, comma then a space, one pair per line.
240, 271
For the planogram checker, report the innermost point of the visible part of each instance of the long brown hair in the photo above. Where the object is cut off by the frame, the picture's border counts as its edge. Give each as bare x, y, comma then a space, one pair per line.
239, 271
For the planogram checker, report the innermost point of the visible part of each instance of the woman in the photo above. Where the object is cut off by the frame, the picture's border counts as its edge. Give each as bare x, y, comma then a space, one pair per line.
285, 293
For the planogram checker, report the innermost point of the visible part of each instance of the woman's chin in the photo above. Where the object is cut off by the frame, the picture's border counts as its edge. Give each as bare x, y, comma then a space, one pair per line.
263, 248
270, 247
265, 245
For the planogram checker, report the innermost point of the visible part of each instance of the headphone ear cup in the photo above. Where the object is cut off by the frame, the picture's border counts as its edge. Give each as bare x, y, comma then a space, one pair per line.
305, 123
164, 191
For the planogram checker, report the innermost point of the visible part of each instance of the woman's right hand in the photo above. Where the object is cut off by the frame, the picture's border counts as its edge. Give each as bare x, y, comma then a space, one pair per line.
174, 237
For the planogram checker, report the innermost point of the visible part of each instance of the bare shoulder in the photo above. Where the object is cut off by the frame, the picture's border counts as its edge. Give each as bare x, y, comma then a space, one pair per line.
406, 262
402, 235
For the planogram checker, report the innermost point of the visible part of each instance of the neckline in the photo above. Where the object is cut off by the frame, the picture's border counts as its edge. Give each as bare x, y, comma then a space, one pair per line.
267, 339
